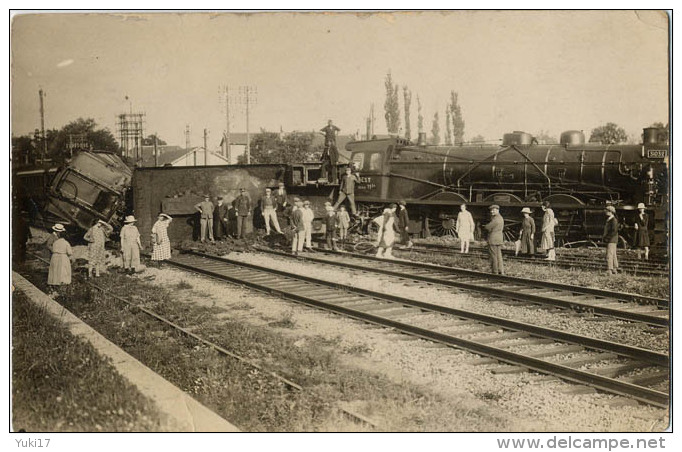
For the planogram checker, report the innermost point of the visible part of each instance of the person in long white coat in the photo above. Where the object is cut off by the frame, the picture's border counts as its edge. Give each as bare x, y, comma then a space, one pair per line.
548, 223
386, 235
130, 245
465, 228
308, 217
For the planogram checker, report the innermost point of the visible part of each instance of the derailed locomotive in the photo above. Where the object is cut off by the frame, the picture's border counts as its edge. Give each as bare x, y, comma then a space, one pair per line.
579, 179
92, 186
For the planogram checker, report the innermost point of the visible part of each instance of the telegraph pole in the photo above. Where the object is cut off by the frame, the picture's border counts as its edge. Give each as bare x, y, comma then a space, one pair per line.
156, 151
205, 148
248, 96
41, 94
227, 124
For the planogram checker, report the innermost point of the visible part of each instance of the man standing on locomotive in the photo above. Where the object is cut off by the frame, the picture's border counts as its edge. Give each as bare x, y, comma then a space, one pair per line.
495, 239
330, 155
347, 189
611, 240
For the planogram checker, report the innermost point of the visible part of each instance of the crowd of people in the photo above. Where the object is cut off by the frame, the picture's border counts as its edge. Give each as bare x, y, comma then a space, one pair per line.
297, 220
526, 242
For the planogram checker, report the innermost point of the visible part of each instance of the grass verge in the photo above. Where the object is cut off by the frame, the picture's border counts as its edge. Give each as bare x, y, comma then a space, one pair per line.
61, 384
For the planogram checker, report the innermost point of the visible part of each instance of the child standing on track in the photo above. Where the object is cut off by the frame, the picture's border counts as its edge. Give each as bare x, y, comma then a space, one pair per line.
331, 225
343, 220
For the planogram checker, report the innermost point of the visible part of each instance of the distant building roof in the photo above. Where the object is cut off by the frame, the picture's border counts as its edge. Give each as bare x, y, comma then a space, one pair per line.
167, 154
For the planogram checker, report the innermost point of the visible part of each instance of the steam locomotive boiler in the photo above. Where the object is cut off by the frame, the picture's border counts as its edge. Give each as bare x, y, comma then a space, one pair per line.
579, 179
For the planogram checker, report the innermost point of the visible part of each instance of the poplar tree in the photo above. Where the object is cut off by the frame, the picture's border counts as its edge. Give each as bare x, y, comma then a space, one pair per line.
391, 106
435, 130
407, 96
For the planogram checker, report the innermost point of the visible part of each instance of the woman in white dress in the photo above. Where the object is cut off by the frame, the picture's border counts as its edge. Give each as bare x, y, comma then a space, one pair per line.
465, 228
386, 233
160, 240
60, 264
130, 245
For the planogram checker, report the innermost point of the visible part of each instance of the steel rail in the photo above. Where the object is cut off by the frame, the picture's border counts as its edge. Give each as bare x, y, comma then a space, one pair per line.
498, 292
571, 262
643, 394
642, 299
660, 263
222, 350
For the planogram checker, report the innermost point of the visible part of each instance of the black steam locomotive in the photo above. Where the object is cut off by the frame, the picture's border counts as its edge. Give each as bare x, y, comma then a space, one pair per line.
579, 179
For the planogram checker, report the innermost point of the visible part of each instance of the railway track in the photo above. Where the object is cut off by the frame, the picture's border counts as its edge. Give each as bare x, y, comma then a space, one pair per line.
607, 366
622, 306
218, 348
633, 266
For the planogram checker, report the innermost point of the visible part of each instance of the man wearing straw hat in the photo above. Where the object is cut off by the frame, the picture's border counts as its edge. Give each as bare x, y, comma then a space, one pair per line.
495, 239
130, 245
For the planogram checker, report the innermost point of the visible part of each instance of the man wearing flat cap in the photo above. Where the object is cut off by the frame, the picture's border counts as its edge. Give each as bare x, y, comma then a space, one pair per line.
611, 240
495, 240
220, 219
205, 209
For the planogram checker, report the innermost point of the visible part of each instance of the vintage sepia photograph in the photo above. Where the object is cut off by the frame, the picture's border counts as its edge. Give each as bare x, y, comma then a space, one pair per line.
342, 221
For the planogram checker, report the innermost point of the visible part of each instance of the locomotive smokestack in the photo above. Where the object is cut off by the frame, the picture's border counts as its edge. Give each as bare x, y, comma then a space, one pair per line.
421, 140
651, 135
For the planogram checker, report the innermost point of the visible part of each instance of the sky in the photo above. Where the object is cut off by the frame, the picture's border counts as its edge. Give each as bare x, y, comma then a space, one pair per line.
513, 70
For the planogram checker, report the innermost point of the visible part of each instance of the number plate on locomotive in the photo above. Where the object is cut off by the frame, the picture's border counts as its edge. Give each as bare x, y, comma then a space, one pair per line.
656, 153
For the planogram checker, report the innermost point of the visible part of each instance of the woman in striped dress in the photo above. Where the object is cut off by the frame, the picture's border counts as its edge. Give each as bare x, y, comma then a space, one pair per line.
160, 240
96, 238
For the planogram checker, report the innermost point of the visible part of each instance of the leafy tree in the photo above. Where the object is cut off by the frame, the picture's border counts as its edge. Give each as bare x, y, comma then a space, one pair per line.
456, 118
420, 117
478, 139
407, 95
435, 130
448, 127
24, 150
544, 137
391, 106
97, 139
608, 134
270, 147
149, 141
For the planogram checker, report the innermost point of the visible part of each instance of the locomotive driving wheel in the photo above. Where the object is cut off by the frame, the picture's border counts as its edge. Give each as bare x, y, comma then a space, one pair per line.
440, 226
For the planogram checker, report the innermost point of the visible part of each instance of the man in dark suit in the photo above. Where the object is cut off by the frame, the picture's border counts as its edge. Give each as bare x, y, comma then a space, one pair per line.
347, 189
611, 240
220, 219
242, 205
330, 155
495, 239
280, 196
403, 224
